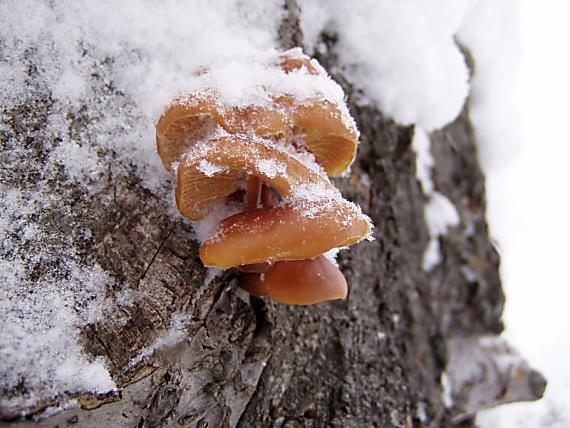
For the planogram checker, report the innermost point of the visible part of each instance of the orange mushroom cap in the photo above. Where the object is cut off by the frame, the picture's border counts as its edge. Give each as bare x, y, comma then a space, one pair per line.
300, 282
181, 125
191, 119
313, 219
295, 231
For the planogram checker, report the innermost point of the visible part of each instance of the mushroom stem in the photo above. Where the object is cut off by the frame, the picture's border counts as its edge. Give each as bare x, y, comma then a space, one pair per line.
267, 200
252, 193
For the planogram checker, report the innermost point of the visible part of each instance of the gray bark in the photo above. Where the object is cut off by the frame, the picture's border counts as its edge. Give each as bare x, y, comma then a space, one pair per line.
376, 359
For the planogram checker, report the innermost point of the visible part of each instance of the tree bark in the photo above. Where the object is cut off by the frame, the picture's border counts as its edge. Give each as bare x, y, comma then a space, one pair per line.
392, 354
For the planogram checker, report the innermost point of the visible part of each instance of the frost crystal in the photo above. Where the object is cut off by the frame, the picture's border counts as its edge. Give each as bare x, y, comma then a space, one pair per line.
209, 169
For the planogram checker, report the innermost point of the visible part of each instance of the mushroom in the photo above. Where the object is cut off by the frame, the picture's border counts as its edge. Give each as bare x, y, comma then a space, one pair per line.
304, 226
292, 213
299, 282
216, 168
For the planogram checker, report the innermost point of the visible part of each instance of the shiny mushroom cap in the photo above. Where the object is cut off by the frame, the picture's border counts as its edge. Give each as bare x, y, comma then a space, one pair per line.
193, 119
327, 135
300, 282
286, 232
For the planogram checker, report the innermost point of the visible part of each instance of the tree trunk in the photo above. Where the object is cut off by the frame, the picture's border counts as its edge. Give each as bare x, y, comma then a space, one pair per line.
408, 348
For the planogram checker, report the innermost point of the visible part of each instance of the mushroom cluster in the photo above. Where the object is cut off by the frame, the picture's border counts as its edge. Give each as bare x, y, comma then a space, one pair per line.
268, 155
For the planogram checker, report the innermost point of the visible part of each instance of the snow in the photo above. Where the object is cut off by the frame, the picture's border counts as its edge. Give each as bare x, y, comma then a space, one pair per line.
257, 80
331, 255
490, 33
271, 168
421, 412
424, 161
402, 54
439, 212
41, 315
446, 390
209, 169
149, 67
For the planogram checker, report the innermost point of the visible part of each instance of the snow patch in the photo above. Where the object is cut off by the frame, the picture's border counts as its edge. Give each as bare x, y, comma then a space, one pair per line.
101, 72
424, 160
440, 214
43, 309
71, 47
446, 390
271, 168
490, 32
220, 209
331, 255
402, 54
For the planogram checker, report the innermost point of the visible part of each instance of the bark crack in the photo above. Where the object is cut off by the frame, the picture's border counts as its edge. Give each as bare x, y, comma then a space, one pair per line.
168, 235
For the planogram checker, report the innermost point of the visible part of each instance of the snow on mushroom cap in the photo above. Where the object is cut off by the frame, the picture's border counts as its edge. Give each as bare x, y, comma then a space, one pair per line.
312, 218
214, 169
294, 100
242, 82
282, 233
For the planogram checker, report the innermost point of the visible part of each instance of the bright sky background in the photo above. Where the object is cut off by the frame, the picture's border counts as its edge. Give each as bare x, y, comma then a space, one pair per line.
529, 212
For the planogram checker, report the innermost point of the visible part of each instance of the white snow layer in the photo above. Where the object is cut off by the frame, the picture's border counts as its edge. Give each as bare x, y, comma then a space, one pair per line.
155, 48
440, 215
490, 32
40, 314
401, 53
527, 211
424, 160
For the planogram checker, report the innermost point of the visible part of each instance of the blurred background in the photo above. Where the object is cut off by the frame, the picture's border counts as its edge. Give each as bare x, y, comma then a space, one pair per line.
529, 211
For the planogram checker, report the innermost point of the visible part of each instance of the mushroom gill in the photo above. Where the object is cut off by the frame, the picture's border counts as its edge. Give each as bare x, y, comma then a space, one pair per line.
216, 168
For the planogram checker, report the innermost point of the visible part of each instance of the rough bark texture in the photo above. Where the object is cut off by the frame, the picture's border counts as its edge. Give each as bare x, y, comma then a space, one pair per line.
376, 359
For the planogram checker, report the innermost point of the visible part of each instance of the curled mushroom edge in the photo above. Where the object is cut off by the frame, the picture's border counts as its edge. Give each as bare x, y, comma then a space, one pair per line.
273, 158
